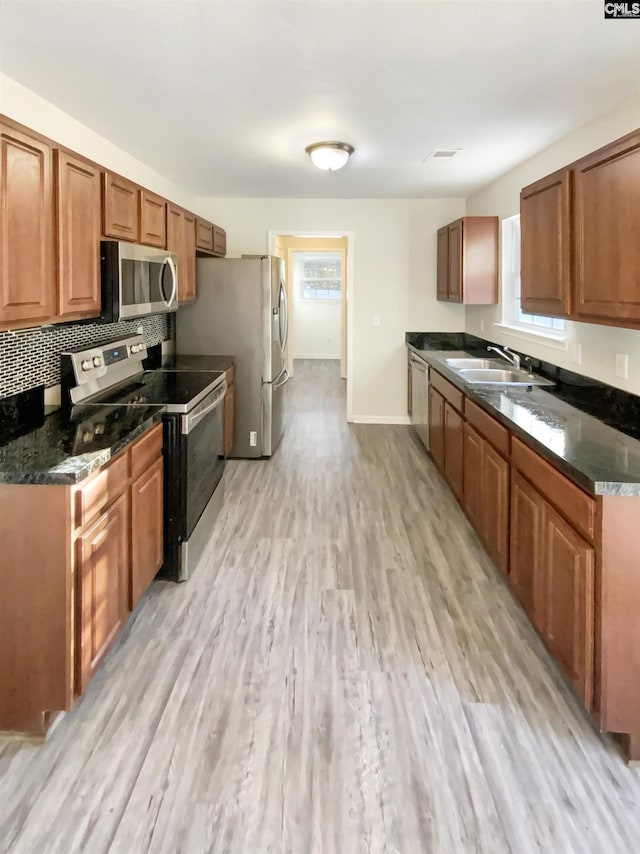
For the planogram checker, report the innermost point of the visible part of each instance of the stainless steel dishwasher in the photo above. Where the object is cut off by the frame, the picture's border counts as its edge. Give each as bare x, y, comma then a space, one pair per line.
420, 398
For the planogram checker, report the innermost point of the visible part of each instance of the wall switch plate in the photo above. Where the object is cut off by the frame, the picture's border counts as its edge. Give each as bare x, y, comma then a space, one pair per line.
376, 320
622, 366
253, 438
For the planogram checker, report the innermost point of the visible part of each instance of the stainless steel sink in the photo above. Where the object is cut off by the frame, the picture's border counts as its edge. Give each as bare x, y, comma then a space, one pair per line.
458, 364
498, 376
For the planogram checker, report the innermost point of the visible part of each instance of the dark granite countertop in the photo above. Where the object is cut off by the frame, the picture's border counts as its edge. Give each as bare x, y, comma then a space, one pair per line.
183, 362
594, 455
65, 449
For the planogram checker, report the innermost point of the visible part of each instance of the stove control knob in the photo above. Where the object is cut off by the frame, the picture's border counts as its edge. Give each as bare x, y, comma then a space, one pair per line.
86, 365
97, 361
87, 436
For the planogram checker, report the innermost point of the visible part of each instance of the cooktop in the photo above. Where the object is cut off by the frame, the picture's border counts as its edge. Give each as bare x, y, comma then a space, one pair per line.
178, 391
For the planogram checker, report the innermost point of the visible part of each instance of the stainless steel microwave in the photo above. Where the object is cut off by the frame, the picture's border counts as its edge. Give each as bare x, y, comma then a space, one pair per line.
136, 280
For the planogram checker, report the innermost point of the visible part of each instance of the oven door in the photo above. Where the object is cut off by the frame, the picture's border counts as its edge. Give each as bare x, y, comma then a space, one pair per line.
203, 439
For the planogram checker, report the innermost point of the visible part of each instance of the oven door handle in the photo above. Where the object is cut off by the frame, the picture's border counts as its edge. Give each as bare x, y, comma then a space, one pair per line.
191, 421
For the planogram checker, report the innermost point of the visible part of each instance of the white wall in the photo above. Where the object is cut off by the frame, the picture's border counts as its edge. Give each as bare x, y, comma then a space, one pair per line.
394, 276
25, 106
317, 331
598, 344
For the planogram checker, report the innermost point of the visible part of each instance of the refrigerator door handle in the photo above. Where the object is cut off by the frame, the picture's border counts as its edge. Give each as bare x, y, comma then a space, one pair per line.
285, 306
281, 379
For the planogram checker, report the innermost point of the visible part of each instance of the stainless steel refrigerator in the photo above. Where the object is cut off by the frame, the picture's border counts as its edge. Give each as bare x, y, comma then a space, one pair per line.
241, 311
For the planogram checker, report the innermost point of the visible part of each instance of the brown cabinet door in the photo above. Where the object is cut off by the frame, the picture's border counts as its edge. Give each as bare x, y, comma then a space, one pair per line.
189, 285
147, 543
454, 450
495, 505
228, 420
436, 427
473, 486
606, 233
527, 507
103, 575
27, 239
545, 227
568, 601
176, 242
79, 220
153, 219
120, 207
204, 235
442, 273
219, 241
454, 281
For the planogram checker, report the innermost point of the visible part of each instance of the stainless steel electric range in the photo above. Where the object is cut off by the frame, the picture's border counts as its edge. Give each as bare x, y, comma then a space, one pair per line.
113, 374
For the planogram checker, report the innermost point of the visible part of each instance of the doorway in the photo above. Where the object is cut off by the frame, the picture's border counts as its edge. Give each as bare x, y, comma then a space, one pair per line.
316, 269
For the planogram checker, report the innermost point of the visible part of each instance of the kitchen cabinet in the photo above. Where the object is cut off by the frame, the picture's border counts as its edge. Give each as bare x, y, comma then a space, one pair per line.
579, 227
473, 485
204, 236
79, 577
77, 184
525, 559
153, 219
219, 241
102, 568
454, 450
606, 231
146, 530
120, 208
467, 261
545, 229
27, 235
181, 240
229, 406
436, 427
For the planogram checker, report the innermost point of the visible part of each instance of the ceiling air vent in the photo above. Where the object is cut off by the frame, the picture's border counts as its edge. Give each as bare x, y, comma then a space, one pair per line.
442, 152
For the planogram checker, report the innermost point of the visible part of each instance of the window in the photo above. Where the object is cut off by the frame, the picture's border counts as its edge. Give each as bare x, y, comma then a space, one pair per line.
512, 314
318, 275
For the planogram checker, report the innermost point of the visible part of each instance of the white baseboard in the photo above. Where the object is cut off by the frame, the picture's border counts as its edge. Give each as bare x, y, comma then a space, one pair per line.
381, 419
315, 356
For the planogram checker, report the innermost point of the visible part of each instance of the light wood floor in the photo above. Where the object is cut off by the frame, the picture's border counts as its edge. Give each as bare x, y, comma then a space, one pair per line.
345, 672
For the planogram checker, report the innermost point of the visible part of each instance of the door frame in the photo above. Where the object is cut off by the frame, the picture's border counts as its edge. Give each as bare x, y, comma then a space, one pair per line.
348, 297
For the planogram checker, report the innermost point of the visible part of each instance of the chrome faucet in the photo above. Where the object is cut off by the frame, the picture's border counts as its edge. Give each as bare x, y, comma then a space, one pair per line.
512, 358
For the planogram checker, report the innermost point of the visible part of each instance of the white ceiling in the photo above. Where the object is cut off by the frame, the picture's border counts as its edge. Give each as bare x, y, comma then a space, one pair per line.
223, 96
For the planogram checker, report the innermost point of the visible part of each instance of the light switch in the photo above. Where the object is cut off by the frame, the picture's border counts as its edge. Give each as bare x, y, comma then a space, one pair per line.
376, 320
622, 366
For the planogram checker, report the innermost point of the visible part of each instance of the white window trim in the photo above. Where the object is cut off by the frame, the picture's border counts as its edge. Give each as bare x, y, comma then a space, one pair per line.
298, 260
510, 322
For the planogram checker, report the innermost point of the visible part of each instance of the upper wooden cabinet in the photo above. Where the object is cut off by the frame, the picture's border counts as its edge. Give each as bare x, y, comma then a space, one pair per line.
545, 222
27, 235
181, 240
467, 259
607, 233
580, 238
153, 219
78, 215
210, 238
120, 207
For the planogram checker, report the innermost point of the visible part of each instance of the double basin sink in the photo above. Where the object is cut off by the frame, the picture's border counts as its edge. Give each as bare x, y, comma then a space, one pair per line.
493, 372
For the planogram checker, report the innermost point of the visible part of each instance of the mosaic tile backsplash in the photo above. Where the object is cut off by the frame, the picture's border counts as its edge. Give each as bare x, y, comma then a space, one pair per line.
32, 357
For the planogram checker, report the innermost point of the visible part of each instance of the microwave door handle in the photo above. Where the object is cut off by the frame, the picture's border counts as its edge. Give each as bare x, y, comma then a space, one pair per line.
174, 278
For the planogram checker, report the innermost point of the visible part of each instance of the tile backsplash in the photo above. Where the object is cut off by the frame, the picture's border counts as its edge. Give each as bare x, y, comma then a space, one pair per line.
32, 357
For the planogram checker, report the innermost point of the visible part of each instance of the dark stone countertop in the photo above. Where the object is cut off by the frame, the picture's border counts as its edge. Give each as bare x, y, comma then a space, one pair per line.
65, 449
183, 362
597, 457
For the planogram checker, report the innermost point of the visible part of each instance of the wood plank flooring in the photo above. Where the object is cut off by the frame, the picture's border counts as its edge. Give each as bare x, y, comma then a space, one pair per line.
345, 672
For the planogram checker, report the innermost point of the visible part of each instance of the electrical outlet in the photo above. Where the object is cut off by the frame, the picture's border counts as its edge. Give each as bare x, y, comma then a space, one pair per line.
482, 326
253, 438
622, 366
376, 320
140, 329
576, 352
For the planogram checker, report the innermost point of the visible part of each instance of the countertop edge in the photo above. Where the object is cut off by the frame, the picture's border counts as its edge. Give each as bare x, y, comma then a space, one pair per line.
594, 488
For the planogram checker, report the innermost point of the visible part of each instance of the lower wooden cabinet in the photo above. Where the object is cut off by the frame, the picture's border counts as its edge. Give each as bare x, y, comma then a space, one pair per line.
454, 450
486, 495
526, 545
146, 530
102, 555
566, 603
436, 427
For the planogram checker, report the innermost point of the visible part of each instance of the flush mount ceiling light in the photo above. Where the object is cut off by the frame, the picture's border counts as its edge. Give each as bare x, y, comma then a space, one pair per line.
329, 155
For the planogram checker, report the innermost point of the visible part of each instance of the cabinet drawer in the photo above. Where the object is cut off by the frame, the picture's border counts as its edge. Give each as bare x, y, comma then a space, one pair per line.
447, 390
100, 491
494, 433
575, 505
146, 450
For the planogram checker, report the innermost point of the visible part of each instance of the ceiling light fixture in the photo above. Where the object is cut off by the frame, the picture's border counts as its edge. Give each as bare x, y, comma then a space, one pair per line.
329, 155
